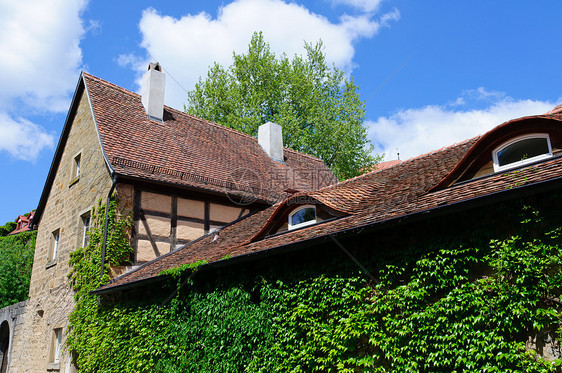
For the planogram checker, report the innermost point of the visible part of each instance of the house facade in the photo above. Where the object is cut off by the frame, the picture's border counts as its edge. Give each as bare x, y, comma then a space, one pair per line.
176, 176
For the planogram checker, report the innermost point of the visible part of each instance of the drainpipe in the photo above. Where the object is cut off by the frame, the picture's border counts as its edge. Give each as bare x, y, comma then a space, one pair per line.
113, 184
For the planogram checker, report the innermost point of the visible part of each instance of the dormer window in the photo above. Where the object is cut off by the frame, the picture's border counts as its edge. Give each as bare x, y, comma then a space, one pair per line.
302, 216
522, 150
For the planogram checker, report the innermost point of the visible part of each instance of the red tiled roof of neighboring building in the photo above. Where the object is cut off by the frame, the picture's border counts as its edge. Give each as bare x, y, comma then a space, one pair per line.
382, 165
192, 152
22, 222
379, 196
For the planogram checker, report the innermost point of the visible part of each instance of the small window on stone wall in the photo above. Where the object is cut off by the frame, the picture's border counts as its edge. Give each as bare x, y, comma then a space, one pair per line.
85, 218
56, 344
76, 167
54, 246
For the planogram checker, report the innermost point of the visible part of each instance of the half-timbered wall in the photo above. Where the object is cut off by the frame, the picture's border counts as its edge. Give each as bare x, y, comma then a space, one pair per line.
164, 222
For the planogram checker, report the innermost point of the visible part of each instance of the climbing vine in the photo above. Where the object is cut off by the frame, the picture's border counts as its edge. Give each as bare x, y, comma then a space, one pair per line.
86, 275
480, 299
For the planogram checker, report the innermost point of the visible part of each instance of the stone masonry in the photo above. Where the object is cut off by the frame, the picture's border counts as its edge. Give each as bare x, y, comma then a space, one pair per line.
12, 318
50, 296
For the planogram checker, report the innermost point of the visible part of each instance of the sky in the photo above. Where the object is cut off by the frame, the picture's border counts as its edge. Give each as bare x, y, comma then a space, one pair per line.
431, 73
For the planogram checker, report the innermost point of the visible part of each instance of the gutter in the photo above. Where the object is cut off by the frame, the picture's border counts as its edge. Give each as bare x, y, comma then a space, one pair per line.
471, 203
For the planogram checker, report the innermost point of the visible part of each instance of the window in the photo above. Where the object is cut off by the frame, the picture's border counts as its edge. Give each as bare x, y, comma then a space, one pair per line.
303, 216
54, 246
56, 344
522, 150
76, 167
85, 228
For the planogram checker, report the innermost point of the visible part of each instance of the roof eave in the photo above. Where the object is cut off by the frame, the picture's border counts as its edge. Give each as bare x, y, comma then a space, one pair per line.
471, 203
58, 152
137, 179
107, 163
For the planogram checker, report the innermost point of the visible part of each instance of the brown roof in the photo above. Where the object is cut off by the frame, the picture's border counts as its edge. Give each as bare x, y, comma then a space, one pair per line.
380, 196
192, 152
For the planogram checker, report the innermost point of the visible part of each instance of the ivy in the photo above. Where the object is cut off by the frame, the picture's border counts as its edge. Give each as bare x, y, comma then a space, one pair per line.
87, 321
465, 300
182, 269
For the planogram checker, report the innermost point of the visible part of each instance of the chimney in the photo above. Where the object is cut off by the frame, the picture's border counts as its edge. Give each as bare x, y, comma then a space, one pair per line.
153, 85
270, 138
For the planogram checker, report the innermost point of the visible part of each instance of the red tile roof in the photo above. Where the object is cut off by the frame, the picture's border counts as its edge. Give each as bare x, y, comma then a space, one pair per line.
383, 165
373, 198
22, 222
191, 152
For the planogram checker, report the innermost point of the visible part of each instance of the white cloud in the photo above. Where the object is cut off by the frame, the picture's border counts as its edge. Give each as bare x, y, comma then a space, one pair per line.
23, 139
39, 52
186, 47
364, 5
40, 59
420, 130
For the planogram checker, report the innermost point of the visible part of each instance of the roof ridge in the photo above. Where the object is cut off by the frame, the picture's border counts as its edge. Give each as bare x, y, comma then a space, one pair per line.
241, 133
125, 90
337, 185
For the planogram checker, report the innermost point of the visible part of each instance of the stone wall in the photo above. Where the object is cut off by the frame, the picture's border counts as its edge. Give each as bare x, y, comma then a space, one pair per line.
11, 317
71, 198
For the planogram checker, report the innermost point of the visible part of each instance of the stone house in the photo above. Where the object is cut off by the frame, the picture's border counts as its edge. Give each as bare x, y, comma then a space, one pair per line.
178, 176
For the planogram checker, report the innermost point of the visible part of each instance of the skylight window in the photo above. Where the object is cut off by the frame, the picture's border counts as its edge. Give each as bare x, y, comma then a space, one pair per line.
303, 216
521, 151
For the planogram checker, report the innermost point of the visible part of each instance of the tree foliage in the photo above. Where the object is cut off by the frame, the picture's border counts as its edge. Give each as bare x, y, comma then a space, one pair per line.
16, 253
7, 228
317, 106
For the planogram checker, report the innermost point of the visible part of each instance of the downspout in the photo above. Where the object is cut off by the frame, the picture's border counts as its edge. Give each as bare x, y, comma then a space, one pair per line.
113, 184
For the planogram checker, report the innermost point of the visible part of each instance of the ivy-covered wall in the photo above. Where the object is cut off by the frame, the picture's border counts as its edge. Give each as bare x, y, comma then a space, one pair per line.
471, 291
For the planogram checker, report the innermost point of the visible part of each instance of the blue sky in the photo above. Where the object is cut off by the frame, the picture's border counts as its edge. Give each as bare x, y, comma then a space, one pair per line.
433, 73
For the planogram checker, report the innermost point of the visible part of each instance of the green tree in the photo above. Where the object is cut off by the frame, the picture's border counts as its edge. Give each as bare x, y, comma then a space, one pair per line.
7, 228
15, 267
317, 106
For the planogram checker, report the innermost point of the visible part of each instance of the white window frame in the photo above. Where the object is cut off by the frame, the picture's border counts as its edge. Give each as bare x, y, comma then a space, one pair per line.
56, 345
77, 161
86, 219
55, 237
522, 162
76, 168
303, 224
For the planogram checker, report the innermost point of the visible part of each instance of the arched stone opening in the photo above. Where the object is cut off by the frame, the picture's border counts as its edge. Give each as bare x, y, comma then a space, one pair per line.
4, 346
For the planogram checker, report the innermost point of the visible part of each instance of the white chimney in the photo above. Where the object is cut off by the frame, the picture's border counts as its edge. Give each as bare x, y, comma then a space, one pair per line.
153, 86
270, 137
